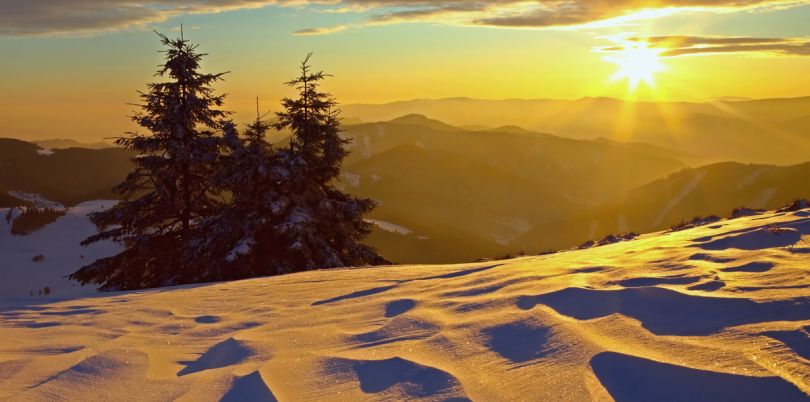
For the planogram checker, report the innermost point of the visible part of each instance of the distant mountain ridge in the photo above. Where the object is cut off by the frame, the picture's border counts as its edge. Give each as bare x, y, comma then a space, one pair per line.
68, 176
709, 190
450, 194
469, 193
771, 131
61, 143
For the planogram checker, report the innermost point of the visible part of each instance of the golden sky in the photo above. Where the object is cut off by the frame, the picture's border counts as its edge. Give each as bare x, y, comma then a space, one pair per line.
70, 70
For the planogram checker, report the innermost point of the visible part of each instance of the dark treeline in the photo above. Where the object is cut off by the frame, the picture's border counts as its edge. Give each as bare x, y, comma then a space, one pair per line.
33, 219
205, 202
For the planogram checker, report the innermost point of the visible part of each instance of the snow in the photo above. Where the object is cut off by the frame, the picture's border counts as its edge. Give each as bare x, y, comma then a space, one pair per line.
37, 199
243, 247
45, 152
58, 242
352, 179
716, 312
509, 229
390, 227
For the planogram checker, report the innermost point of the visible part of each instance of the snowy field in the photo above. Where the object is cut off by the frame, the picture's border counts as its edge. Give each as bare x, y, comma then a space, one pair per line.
58, 245
715, 313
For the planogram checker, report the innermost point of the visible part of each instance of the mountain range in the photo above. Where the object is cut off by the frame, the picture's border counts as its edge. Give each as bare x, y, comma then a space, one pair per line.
62, 143
68, 176
452, 194
770, 131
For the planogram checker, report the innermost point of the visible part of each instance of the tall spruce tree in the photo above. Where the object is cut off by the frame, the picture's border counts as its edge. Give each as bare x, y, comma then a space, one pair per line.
320, 226
286, 214
169, 191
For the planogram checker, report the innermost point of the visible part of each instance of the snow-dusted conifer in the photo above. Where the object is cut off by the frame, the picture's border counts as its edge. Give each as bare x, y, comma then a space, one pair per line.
317, 225
169, 191
285, 213
253, 176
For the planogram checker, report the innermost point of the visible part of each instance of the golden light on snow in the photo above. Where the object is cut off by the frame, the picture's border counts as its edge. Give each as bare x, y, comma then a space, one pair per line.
718, 311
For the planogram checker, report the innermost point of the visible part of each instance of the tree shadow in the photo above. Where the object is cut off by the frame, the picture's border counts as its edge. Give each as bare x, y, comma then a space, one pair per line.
457, 274
354, 295
381, 289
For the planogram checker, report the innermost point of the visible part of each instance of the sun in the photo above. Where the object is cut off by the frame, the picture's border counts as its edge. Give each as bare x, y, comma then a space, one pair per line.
637, 63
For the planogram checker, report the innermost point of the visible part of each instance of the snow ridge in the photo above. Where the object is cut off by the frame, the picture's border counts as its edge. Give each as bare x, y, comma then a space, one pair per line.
716, 312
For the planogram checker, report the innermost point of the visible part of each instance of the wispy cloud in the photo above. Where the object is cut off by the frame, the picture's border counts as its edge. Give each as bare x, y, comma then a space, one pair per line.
321, 31
60, 17
546, 13
80, 17
676, 46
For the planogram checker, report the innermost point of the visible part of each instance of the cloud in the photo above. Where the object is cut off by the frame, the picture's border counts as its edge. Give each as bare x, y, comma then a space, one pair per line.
321, 31
560, 13
676, 46
77, 17
547, 13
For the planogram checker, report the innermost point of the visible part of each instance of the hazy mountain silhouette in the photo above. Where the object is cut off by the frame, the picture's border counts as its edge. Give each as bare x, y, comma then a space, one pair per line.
774, 131
710, 190
582, 171
467, 194
62, 143
449, 194
68, 176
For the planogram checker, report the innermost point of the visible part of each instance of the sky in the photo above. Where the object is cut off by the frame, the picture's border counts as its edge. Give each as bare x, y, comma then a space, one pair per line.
72, 68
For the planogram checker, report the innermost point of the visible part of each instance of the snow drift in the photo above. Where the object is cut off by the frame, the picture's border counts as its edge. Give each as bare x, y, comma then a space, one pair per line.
717, 312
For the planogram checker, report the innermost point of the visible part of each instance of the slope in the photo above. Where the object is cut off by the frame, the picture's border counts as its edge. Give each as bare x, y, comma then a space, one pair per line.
757, 131
707, 314
433, 179
708, 190
23, 276
68, 176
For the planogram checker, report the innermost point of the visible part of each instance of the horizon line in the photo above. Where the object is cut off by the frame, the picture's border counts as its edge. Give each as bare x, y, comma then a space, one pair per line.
727, 99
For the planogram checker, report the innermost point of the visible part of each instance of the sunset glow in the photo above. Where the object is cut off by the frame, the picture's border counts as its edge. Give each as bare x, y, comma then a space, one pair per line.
637, 63
405, 200
383, 52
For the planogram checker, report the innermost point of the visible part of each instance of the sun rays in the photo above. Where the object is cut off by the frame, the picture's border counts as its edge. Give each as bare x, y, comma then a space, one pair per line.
638, 63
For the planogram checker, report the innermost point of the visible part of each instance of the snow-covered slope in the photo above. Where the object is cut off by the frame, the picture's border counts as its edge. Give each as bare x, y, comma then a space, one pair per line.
58, 244
714, 313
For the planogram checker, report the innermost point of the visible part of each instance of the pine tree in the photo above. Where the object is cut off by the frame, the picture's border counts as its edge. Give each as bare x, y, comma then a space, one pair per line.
169, 191
252, 174
320, 226
285, 214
